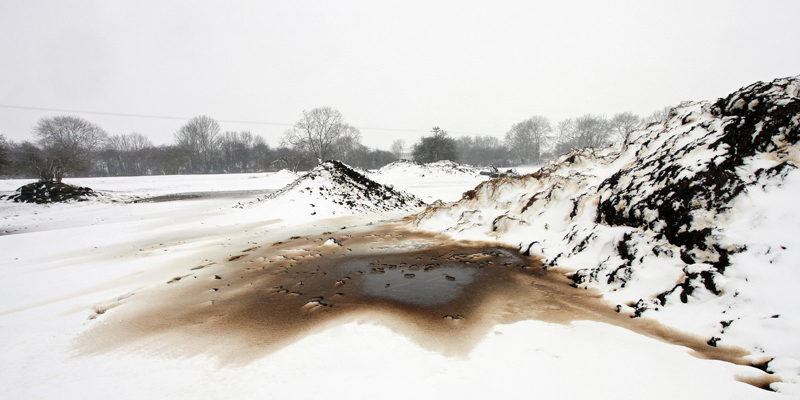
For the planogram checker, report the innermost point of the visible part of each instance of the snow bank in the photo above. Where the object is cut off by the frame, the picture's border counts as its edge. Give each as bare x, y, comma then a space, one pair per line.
426, 180
405, 167
692, 217
333, 189
285, 174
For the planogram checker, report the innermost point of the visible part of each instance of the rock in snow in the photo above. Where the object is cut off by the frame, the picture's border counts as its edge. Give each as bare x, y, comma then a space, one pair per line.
333, 188
655, 222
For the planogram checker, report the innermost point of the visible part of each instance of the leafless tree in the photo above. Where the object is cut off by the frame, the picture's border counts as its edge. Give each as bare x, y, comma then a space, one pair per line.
482, 151
658, 116
129, 151
290, 158
67, 143
235, 150
321, 133
397, 148
585, 131
261, 155
200, 138
4, 154
526, 139
622, 124
129, 142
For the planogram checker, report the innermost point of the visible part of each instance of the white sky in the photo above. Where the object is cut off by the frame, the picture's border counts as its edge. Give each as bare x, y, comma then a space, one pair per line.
468, 67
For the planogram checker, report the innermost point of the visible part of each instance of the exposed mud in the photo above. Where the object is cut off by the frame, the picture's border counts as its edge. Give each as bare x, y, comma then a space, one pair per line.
233, 194
445, 296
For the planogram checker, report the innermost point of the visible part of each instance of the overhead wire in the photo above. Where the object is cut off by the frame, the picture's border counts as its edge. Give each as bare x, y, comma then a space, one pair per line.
130, 115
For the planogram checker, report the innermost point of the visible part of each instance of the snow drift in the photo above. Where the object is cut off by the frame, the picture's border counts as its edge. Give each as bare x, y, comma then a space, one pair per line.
425, 180
333, 188
665, 221
285, 174
446, 167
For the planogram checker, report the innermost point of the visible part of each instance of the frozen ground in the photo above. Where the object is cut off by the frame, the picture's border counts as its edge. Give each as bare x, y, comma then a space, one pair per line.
72, 269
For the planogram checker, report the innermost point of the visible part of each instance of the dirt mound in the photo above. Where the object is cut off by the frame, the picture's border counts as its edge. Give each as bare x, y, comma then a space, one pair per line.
50, 192
335, 188
691, 221
678, 187
668, 187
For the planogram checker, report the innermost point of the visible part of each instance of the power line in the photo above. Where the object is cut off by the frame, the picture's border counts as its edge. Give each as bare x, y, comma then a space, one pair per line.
116, 114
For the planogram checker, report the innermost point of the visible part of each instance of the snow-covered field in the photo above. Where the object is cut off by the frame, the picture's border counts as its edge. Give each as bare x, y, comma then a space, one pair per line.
670, 273
65, 266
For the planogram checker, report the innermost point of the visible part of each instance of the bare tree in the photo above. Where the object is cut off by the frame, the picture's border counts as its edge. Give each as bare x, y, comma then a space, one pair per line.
585, 131
30, 158
261, 155
347, 147
235, 150
526, 139
658, 116
168, 160
397, 148
128, 152
290, 158
4, 154
622, 124
129, 142
321, 133
482, 151
67, 143
200, 138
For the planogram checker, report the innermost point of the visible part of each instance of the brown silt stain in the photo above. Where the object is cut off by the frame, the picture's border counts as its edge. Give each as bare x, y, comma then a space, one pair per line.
444, 295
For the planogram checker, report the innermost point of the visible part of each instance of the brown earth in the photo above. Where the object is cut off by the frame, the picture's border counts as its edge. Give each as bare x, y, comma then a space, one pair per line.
444, 295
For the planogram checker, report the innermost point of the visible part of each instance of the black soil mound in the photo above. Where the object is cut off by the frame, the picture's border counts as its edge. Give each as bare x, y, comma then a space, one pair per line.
337, 183
50, 192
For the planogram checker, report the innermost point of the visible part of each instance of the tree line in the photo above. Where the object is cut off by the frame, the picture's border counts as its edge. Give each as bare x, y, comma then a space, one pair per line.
531, 141
73, 146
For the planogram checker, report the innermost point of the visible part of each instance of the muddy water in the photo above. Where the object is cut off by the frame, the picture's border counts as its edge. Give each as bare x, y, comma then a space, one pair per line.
445, 296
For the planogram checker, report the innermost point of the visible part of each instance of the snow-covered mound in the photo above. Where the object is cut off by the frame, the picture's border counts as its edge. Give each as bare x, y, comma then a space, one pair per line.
406, 167
333, 188
284, 174
695, 217
426, 180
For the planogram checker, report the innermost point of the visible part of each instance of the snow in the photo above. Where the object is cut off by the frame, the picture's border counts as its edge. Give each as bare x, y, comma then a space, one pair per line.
73, 267
60, 271
333, 189
651, 222
427, 180
127, 188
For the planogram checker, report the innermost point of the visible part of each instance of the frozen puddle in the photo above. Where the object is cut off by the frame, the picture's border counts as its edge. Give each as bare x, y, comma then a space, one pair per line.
441, 294
428, 285
444, 296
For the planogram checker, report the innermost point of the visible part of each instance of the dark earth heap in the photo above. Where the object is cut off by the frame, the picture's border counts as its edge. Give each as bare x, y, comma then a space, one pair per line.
760, 118
340, 184
49, 192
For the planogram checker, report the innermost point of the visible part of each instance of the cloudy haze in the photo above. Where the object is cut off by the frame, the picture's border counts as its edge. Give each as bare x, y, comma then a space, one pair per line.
394, 69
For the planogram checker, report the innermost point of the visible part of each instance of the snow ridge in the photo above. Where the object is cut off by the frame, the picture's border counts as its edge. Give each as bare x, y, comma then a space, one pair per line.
649, 222
407, 167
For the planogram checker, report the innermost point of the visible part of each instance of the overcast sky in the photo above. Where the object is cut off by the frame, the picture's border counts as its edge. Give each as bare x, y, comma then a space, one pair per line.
468, 67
